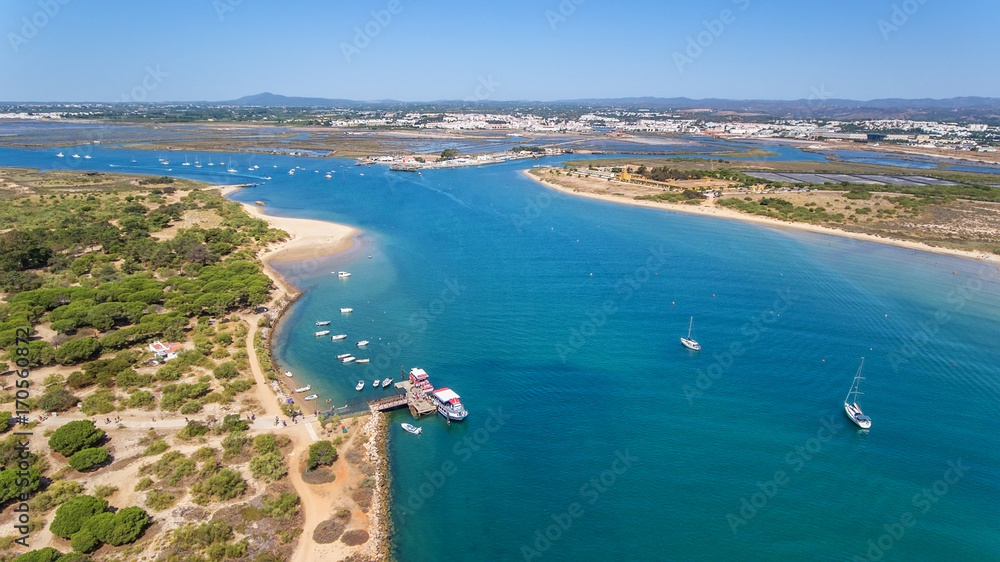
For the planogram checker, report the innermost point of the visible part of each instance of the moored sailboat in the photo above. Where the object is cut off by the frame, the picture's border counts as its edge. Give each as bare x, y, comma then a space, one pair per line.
851, 407
688, 342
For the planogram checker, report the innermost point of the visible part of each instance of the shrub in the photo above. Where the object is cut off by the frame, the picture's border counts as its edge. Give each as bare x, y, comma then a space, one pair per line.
47, 554
265, 443
158, 501
75, 351
232, 422
56, 494
100, 402
144, 483
141, 399
71, 516
155, 448
75, 436
270, 466
79, 379
14, 483
85, 459
104, 490
225, 485
84, 541
191, 407
226, 371
191, 430
57, 399
280, 507
321, 453
123, 527
233, 444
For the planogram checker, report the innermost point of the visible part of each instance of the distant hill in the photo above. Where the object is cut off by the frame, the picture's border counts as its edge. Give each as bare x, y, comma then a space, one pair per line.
950, 109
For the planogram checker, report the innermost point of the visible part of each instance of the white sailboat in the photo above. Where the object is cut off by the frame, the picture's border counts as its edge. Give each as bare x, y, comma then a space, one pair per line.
851, 407
688, 342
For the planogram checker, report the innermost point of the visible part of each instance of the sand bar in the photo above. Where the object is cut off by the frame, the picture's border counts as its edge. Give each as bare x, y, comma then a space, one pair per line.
710, 209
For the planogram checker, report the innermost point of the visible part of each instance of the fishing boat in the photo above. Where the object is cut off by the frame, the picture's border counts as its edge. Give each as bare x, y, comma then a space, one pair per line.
348, 359
288, 374
688, 342
365, 360
386, 382
346, 310
323, 323
360, 385
342, 355
305, 388
412, 429
851, 407
321, 333
311, 397
338, 337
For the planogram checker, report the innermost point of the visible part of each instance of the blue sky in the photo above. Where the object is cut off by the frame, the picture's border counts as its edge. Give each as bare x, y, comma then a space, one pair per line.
158, 50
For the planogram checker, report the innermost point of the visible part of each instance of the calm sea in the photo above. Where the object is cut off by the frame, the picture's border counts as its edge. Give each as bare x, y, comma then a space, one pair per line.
592, 434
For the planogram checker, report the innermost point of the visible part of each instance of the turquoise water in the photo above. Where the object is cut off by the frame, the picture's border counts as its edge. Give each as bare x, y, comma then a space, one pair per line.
557, 319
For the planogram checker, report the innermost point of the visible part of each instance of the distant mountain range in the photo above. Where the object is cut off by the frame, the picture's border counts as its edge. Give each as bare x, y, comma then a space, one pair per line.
950, 109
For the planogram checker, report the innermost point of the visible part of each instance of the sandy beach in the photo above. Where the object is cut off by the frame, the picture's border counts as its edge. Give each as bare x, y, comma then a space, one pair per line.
710, 209
314, 239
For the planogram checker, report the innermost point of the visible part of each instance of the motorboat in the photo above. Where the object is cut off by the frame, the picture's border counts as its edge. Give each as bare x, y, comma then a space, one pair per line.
288, 374
342, 355
338, 337
305, 388
411, 428
323, 323
360, 385
386, 382
321, 333
311, 397
346, 310
365, 360
348, 359
363, 343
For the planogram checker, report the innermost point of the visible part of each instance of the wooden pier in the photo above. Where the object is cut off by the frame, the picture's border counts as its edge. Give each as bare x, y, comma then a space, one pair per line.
418, 404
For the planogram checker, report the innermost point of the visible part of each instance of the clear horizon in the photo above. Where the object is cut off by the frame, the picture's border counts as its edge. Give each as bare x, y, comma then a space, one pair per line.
221, 50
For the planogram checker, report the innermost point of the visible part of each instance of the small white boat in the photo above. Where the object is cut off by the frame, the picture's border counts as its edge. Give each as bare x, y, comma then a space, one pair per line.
342, 355
87, 157
343, 274
411, 428
348, 359
338, 337
60, 155
688, 342
288, 374
321, 333
363, 343
291, 172
323, 323
360, 385
186, 163
851, 407
386, 382
305, 388
76, 156
346, 310
365, 360
375, 384
328, 176
312, 397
